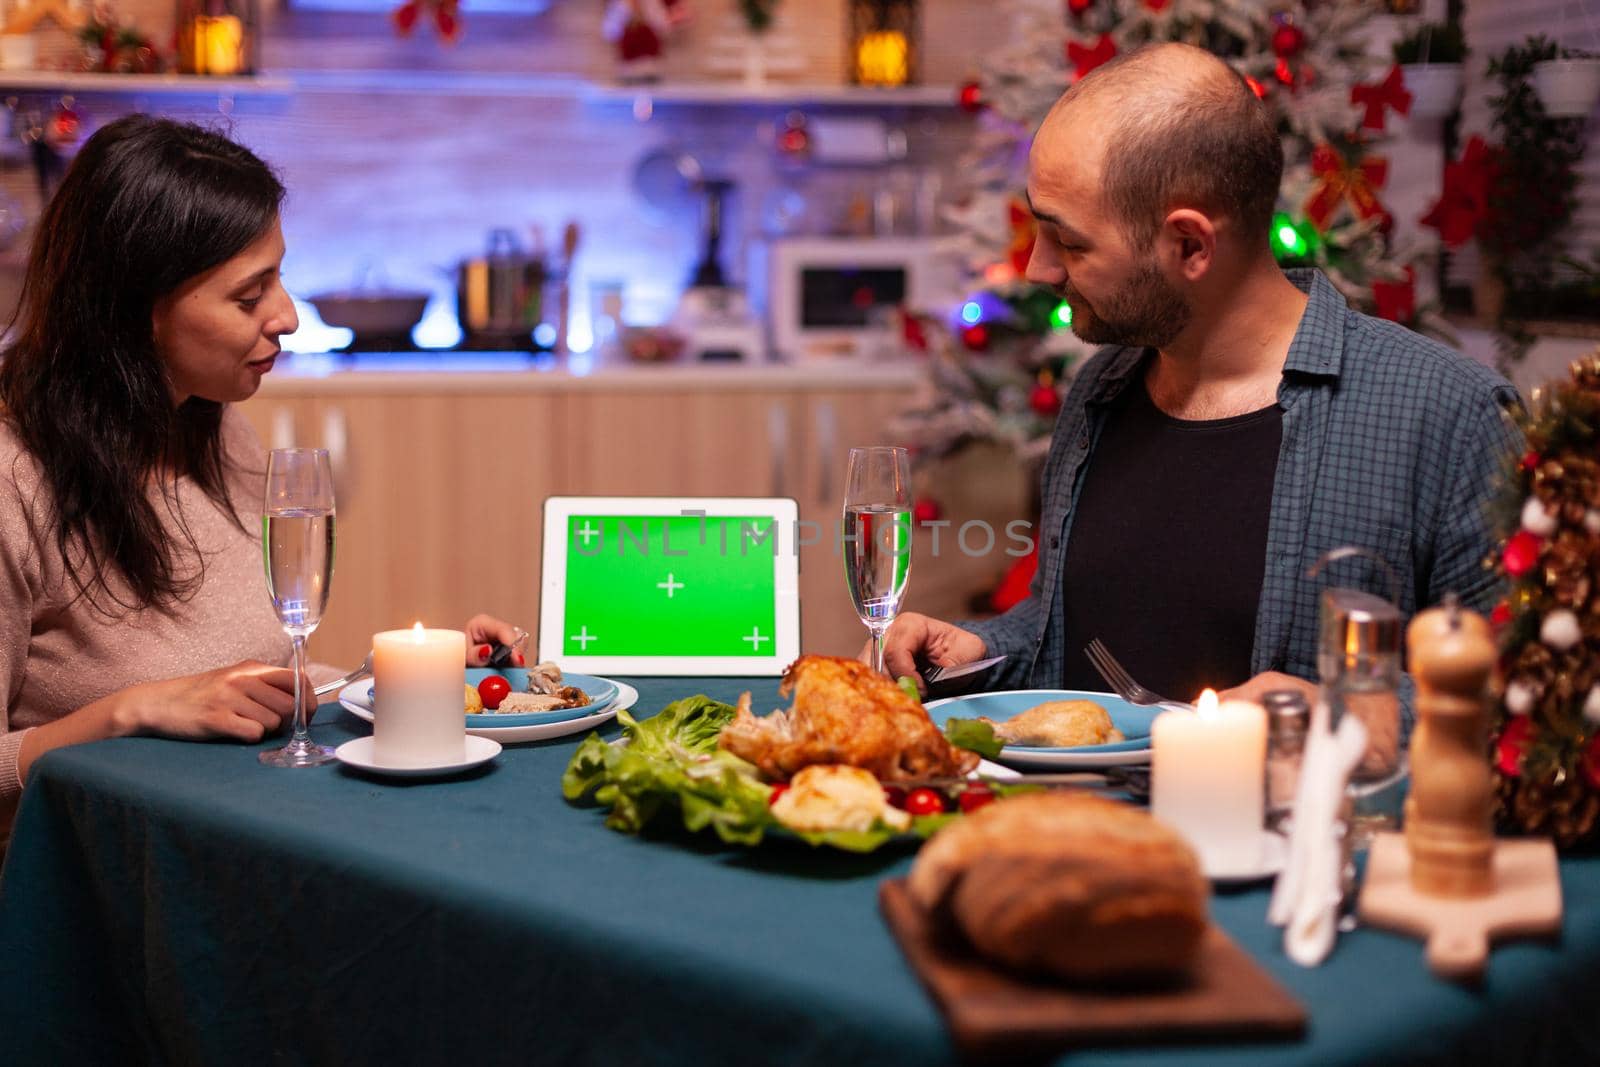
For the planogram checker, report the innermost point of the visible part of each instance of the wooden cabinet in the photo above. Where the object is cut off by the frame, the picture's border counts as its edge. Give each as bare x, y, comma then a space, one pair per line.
441, 480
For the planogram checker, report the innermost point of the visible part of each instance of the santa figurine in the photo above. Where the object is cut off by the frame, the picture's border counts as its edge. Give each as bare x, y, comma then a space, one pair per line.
638, 28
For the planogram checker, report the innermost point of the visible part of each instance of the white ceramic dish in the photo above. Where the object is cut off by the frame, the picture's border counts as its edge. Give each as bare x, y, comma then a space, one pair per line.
627, 697
360, 755
1132, 719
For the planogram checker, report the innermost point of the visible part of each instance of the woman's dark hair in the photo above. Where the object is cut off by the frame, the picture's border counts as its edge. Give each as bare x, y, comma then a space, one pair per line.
147, 205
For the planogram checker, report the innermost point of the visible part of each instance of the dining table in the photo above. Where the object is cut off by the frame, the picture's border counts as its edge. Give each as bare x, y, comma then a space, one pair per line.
176, 902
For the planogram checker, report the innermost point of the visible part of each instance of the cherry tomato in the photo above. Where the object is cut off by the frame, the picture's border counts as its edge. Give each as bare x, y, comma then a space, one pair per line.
894, 796
974, 797
777, 791
492, 690
925, 801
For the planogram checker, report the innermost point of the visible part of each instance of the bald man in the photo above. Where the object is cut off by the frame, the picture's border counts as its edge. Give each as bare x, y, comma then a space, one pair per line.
1239, 422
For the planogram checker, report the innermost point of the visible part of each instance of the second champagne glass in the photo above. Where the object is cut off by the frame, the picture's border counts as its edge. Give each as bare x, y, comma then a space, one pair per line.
297, 547
877, 537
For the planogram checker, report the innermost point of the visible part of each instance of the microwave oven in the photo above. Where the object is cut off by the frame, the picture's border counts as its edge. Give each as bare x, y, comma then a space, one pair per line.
833, 298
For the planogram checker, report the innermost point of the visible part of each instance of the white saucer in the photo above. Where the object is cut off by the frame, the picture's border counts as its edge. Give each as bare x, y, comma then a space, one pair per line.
359, 754
350, 698
1274, 851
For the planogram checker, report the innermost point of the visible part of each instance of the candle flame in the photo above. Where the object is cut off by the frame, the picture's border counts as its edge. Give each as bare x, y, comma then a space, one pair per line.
417, 634
1207, 704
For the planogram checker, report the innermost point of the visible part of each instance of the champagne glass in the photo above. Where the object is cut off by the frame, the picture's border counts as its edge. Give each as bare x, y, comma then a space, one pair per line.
297, 547
877, 537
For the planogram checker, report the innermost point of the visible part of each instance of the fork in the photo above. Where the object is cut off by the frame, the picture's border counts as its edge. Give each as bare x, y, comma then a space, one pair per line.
1122, 683
339, 683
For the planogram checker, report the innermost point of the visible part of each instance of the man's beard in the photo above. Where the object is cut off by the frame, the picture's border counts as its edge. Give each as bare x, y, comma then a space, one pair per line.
1147, 312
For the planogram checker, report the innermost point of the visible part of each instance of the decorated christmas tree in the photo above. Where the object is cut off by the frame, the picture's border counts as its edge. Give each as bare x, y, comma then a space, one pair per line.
1547, 747
1000, 371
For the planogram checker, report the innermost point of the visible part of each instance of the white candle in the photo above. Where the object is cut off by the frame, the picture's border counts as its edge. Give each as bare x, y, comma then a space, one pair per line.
1206, 779
419, 679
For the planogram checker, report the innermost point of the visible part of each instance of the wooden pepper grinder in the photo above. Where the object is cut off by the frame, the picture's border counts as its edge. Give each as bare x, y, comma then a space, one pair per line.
1448, 880
1449, 813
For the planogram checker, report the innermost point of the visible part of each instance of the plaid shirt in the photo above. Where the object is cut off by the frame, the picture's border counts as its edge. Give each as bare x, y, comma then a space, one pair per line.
1390, 441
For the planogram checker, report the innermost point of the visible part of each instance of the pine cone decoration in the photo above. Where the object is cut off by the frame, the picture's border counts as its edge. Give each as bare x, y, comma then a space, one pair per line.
1554, 803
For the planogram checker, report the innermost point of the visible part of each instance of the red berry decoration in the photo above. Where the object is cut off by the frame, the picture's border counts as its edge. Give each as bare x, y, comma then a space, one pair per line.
1288, 41
1591, 763
777, 791
925, 801
1530, 461
1078, 7
1521, 553
975, 337
975, 796
492, 690
1513, 745
1501, 615
970, 97
1045, 401
926, 509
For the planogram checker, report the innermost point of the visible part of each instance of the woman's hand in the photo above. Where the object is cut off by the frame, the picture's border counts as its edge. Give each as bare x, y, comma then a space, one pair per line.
244, 702
484, 632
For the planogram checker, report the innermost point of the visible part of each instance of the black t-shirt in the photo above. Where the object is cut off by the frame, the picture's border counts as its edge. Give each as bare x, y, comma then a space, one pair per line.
1168, 546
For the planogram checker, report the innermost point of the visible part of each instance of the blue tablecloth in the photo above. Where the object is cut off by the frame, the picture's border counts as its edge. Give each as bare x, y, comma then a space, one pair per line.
171, 902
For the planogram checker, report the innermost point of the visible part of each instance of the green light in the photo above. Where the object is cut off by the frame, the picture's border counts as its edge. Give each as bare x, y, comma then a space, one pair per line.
1288, 241
1061, 317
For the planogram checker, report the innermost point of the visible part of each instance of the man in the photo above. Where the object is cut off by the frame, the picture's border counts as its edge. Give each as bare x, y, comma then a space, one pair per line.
1239, 424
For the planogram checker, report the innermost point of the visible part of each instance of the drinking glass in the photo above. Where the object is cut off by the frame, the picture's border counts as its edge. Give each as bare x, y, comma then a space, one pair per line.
297, 547
877, 537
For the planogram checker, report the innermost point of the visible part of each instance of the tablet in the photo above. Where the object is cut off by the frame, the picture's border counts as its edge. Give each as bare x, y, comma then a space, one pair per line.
670, 585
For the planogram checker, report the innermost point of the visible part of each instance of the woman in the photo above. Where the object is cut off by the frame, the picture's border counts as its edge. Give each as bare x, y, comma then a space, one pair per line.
130, 569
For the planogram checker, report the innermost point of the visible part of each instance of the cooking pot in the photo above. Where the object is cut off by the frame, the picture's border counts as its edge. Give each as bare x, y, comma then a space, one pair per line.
373, 313
501, 296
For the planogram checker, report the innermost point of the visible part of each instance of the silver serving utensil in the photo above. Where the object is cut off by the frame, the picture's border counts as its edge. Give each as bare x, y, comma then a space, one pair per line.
1122, 683
339, 683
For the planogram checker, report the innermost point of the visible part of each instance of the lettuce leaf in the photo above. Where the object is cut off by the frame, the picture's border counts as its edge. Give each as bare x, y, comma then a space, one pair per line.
974, 736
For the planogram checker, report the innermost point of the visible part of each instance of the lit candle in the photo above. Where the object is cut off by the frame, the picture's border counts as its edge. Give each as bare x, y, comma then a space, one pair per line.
1206, 779
419, 679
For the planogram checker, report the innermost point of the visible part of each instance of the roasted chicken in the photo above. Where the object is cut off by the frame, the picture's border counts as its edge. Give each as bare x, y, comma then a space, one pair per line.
844, 712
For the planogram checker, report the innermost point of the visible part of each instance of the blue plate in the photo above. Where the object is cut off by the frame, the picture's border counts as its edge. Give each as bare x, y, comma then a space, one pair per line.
1133, 720
602, 693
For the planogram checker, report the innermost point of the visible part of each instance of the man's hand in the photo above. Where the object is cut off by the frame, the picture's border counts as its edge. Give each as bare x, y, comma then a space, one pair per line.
916, 639
1266, 682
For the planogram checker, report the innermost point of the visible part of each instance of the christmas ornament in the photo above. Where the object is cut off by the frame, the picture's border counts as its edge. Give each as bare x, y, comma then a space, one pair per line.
1388, 95
1536, 519
970, 97
975, 337
1521, 553
1500, 615
1520, 696
1157, 6
1560, 630
1083, 58
638, 29
1288, 41
926, 509
794, 141
1397, 301
1513, 745
1339, 182
1463, 203
1078, 7
1044, 400
1591, 706
1591, 763
1530, 461
444, 14
1591, 522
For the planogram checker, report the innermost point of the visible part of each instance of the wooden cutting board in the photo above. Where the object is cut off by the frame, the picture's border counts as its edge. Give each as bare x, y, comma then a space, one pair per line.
993, 1014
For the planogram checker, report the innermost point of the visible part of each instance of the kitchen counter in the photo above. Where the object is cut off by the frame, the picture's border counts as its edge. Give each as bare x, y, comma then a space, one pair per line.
303, 374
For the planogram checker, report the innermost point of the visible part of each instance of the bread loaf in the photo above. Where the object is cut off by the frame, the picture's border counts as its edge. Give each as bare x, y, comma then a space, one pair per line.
1066, 884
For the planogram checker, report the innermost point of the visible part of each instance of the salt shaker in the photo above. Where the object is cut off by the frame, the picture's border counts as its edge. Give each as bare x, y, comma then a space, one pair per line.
1288, 720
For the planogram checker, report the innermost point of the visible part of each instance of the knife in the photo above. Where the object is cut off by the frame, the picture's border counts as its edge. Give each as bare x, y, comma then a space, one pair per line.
944, 674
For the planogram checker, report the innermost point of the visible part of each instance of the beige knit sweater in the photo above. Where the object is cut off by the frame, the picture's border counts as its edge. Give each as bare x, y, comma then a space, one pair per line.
56, 655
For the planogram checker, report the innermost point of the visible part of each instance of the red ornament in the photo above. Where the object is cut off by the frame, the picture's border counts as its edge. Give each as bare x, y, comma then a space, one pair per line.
1086, 58
1339, 181
1513, 745
1500, 615
1256, 87
1045, 401
912, 333
1391, 93
1463, 203
975, 337
1283, 73
1397, 301
1521, 553
638, 41
1288, 41
1078, 7
970, 97
926, 509
1530, 461
795, 140
1157, 6
1591, 763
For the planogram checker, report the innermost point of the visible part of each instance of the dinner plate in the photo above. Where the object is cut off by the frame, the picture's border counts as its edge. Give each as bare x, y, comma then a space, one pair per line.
602, 692
1132, 719
627, 696
360, 754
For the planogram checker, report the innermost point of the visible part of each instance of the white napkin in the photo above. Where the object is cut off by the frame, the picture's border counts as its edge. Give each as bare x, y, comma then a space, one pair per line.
1306, 896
